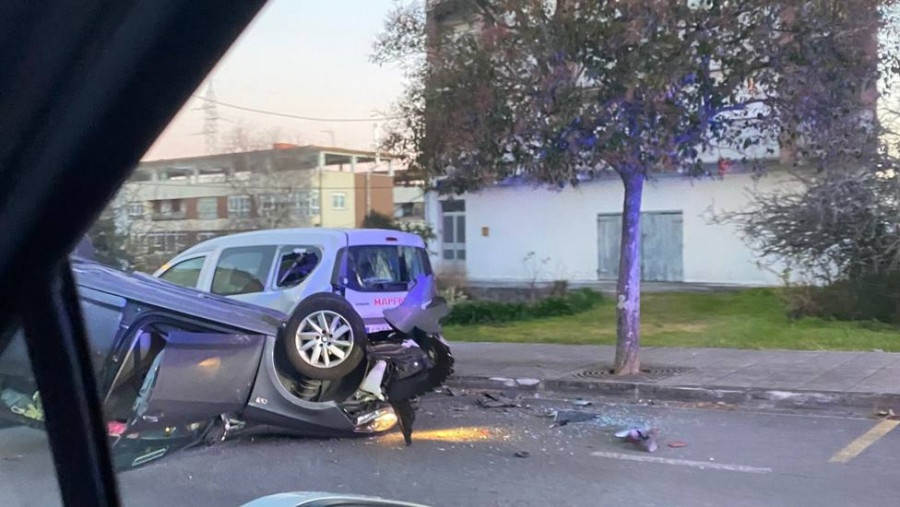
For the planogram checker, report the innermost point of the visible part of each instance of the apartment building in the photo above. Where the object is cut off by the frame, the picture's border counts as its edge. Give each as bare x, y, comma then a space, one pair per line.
169, 205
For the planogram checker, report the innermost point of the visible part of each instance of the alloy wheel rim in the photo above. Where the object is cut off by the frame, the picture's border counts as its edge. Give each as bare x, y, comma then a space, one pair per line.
324, 339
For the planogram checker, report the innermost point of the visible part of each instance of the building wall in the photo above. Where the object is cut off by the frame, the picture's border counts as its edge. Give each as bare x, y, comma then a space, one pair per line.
360, 202
382, 194
562, 225
374, 192
338, 183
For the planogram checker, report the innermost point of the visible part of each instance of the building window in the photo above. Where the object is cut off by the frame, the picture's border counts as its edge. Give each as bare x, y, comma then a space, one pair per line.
275, 204
338, 200
239, 206
266, 204
453, 205
306, 203
409, 210
136, 210
165, 242
314, 202
170, 206
168, 209
207, 208
453, 230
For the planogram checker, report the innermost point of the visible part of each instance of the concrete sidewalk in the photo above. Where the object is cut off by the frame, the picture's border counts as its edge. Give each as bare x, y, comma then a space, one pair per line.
780, 378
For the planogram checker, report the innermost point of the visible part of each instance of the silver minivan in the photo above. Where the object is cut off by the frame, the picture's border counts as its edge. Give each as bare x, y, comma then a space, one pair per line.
325, 279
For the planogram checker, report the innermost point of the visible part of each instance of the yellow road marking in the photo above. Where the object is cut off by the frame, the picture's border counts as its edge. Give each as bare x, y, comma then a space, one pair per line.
859, 445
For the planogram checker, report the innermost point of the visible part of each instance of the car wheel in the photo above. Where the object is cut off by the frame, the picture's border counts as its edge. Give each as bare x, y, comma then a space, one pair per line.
325, 338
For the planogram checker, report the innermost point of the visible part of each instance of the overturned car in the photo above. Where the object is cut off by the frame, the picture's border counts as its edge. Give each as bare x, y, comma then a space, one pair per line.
177, 367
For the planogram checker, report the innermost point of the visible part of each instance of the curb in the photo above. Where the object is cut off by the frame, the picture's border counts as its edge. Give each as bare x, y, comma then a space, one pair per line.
746, 397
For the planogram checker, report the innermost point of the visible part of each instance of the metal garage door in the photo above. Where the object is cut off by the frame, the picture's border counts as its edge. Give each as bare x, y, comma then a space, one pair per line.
661, 246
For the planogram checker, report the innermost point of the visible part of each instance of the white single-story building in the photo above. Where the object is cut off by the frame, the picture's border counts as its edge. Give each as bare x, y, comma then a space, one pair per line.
518, 234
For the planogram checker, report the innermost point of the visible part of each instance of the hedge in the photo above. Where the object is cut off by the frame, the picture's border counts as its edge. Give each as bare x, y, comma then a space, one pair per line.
496, 312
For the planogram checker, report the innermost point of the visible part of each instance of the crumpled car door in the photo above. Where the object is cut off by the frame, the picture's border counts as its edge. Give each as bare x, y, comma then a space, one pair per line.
197, 377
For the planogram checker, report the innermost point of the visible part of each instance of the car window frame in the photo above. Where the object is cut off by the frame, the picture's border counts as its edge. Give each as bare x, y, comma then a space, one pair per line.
281, 249
182, 260
266, 280
349, 283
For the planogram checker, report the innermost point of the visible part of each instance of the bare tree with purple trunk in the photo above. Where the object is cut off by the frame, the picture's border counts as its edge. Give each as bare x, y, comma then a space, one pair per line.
558, 93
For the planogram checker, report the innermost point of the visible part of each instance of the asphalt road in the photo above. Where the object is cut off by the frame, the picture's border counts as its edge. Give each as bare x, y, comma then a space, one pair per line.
465, 455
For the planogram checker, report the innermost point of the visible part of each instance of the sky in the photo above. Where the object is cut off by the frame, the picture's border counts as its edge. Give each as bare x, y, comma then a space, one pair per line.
300, 57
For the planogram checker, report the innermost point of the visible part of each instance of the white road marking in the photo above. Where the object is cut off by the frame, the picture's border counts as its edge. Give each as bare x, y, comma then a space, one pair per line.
703, 465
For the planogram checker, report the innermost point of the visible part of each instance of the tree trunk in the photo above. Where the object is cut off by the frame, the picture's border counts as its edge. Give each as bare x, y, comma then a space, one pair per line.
628, 290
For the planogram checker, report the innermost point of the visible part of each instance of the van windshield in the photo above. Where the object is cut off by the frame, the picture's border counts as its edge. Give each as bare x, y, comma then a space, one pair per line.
385, 267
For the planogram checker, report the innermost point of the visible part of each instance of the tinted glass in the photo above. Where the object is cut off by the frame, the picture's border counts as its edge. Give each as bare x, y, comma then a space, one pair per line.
448, 229
454, 205
242, 270
185, 273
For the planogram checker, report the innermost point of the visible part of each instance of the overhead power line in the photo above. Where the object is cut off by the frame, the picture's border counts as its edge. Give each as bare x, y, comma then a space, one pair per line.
293, 116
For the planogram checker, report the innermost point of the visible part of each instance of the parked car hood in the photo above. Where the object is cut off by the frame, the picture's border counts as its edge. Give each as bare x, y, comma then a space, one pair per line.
160, 293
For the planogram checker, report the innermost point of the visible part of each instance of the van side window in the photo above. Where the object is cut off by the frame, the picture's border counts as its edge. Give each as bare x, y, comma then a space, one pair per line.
186, 273
295, 264
242, 270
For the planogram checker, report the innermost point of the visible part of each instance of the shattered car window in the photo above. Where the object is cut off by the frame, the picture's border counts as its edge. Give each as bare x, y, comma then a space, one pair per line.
295, 264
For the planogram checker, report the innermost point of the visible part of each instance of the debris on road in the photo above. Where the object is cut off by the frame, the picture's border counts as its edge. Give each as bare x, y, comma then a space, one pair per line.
564, 417
643, 437
496, 400
508, 382
720, 405
22, 404
522, 454
677, 444
887, 414
579, 402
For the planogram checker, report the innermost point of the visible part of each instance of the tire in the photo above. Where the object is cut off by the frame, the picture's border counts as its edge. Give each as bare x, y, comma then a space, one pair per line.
327, 355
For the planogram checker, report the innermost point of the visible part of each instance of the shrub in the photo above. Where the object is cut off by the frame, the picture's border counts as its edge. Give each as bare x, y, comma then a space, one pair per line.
873, 297
485, 312
495, 312
453, 295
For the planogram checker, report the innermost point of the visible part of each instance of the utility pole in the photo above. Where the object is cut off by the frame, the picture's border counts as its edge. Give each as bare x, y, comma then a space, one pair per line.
210, 120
